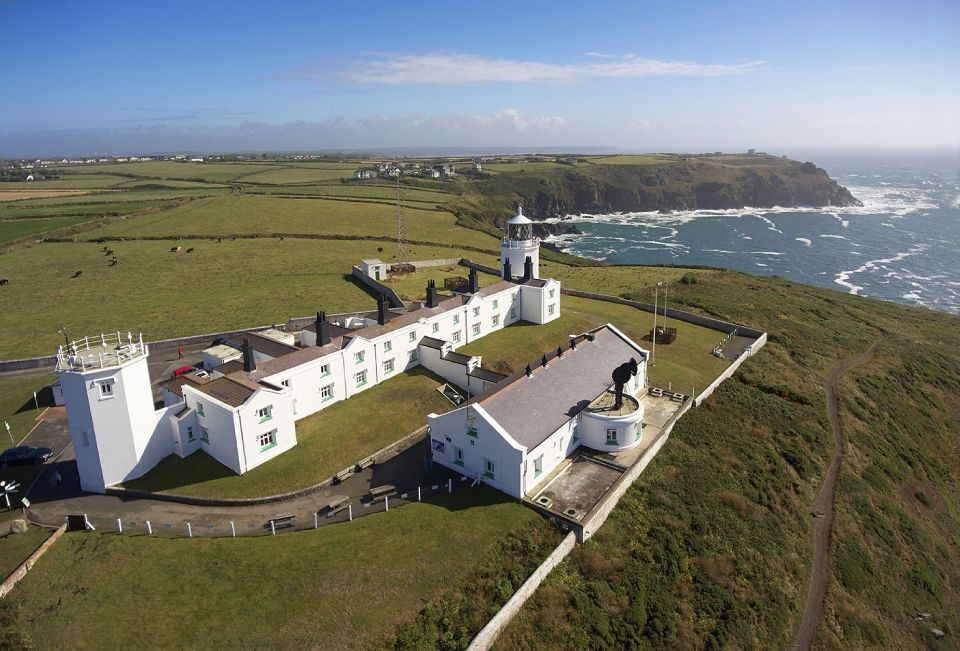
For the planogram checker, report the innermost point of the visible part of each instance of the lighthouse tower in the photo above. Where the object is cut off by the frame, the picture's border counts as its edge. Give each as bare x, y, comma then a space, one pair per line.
518, 246
106, 390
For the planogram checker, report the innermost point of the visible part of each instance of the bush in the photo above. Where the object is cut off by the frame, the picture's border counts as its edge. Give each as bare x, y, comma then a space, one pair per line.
689, 278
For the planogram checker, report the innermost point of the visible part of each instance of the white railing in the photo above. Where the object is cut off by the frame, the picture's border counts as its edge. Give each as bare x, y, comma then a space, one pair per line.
109, 349
520, 244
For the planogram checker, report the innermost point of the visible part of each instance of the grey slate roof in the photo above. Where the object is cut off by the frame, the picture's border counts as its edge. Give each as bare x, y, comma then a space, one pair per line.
228, 390
484, 374
262, 344
432, 342
531, 409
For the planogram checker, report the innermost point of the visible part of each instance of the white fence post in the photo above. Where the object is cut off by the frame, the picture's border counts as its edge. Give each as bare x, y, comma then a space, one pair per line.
273, 529
386, 503
418, 494
450, 485
233, 529
119, 525
350, 512
316, 522
189, 530
149, 529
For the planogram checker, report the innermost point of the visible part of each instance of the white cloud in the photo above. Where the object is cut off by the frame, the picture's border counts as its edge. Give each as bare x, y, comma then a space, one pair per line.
452, 69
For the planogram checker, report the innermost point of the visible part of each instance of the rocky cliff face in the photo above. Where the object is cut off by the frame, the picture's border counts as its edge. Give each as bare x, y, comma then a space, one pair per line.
687, 184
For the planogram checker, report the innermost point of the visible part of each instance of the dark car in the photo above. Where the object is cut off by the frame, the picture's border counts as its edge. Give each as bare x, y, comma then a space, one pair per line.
25, 455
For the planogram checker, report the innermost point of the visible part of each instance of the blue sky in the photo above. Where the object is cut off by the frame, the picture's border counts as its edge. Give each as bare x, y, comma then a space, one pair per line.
125, 77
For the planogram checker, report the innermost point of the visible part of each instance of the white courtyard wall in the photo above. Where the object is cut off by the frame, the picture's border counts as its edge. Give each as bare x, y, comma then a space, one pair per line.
251, 426
554, 449
223, 429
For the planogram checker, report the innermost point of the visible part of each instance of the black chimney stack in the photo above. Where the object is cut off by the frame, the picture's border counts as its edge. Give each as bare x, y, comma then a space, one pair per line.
528, 269
382, 310
507, 272
474, 281
432, 300
323, 329
249, 363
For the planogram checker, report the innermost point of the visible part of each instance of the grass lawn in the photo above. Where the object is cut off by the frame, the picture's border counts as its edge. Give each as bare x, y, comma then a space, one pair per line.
25, 210
18, 409
15, 547
172, 169
342, 586
14, 230
220, 286
413, 287
687, 363
327, 442
261, 214
617, 280
297, 174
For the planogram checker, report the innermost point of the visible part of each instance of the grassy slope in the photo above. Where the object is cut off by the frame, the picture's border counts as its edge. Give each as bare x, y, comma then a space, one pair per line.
322, 449
343, 586
710, 548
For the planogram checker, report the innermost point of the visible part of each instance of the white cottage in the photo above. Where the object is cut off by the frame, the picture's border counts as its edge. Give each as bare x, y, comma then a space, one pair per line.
519, 431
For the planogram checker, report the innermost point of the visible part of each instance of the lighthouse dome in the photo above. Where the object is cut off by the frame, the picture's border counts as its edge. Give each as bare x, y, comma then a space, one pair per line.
519, 227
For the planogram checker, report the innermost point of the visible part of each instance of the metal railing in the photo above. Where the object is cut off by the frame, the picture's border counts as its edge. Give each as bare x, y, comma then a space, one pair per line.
109, 349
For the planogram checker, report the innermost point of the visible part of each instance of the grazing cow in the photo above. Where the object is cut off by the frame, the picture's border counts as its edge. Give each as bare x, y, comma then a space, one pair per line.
77, 274
175, 249
4, 281
622, 375
190, 250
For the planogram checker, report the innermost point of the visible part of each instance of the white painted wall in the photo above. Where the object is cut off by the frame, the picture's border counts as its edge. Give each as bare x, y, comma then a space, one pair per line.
307, 380
222, 426
251, 426
593, 430
491, 442
553, 450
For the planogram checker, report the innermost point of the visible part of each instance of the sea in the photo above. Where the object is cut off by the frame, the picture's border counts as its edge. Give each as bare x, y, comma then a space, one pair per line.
902, 245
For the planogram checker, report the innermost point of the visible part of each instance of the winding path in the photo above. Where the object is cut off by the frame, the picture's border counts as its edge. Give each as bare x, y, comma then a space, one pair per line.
823, 507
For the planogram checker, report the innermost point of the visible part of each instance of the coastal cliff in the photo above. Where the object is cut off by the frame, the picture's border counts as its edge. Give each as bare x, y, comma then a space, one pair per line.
659, 182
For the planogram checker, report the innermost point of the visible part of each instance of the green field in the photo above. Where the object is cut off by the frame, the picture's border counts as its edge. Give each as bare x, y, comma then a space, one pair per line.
257, 214
21, 228
215, 172
322, 449
285, 175
220, 286
345, 586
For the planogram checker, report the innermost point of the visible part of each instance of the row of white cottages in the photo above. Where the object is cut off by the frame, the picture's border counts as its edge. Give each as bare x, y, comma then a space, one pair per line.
245, 414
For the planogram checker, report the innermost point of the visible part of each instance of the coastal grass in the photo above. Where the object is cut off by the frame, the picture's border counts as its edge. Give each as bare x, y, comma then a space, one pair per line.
716, 530
413, 286
343, 586
327, 442
621, 279
215, 172
219, 286
299, 174
16, 547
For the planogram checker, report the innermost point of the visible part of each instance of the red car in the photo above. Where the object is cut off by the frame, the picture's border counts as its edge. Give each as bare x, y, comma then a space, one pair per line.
184, 370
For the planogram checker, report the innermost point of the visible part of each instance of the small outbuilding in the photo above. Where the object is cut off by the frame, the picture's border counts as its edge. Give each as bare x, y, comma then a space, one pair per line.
374, 268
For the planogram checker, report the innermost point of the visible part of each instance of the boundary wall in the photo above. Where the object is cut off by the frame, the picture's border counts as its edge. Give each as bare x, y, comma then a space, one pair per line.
730, 370
488, 634
376, 286
24, 567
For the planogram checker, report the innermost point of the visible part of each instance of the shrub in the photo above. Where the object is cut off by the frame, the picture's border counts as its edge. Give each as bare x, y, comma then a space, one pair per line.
689, 278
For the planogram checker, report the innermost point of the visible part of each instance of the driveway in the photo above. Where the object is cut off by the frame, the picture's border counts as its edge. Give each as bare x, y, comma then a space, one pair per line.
52, 431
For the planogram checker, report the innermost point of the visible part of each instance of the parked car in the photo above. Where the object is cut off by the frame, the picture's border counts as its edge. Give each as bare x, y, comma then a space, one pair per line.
25, 455
184, 370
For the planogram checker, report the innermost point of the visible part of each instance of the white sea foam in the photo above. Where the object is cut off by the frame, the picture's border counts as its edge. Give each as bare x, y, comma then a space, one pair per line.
766, 252
761, 264
746, 237
843, 278
833, 237
804, 240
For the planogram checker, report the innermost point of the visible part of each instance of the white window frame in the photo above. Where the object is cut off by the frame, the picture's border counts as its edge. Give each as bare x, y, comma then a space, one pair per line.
388, 366
496, 303
324, 370
476, 311
551, 308
326, 392
360, 377
615, 440
267, 440
106, 388
476, 329
190, 436
265, 413
455, 336
200, 409
358, 357
436, 327
413, 336
495, 320
204, 434
489, 468
456, 319
387, 346
414, 356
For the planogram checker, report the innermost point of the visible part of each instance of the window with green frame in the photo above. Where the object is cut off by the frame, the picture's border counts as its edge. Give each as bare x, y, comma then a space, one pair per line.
265, 413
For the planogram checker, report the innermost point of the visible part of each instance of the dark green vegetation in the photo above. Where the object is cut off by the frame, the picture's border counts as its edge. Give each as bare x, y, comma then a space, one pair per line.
342, 586
710, 548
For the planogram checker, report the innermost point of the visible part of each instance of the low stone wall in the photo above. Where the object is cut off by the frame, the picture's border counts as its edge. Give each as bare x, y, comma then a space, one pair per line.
377, 456
730, 370
426, 264
689, 317
377, 287
28, 564
488, 634
599, 514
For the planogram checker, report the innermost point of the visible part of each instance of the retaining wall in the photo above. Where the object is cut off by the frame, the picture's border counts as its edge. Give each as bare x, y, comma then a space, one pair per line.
28, 564
689, 317
377, 287
377, 456
488, 634
425, 264
598, 515
467, 262
730, 370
